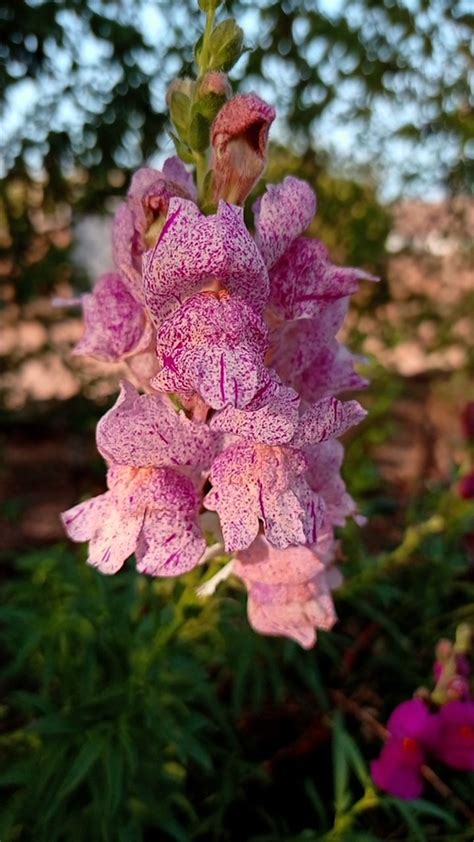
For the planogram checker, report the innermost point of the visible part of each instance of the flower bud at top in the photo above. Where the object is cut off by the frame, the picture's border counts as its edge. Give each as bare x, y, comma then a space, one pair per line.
181, 86
216, 84
239, 138
467, 421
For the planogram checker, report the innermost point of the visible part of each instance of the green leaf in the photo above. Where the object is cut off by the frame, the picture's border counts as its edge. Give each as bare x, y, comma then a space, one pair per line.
342, 796
180, 110
208, 105
183, 150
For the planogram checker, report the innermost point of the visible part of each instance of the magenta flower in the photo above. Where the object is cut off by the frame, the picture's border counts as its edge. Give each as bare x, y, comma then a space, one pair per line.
398, 769
151, 512
466, 486
115, 324
213, 345
198, 252
272, 417
467, 421
453, 740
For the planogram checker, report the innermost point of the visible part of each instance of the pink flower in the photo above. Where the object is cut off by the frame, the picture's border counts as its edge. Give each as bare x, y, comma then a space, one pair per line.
281, 215
256, 483
146, 430
398, 769
115, 324
304, 281
271, 417
151, 512
198, 252
324, 462
213, 345
288, 590
146, 208
453, 740
239, 138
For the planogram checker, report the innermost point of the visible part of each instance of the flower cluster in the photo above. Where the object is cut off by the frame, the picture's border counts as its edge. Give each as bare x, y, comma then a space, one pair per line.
439, 724
235, 368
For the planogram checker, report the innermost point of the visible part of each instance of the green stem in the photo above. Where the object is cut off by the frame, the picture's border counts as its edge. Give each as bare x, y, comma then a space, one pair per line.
204, 57
344, 821
388, 562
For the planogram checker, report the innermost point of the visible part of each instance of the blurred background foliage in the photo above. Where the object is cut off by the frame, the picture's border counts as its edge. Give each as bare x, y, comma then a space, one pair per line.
131, 709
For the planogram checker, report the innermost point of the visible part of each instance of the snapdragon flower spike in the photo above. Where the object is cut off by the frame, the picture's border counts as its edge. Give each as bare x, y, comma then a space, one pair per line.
115, 325
271, 417
213, 345
198, 252
255, 484
324, 462
151, 512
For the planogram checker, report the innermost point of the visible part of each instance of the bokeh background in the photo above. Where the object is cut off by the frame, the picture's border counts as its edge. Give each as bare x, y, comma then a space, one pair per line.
132, 710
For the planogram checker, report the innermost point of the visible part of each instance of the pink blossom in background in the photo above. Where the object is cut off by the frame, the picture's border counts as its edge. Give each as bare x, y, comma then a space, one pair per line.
398, 769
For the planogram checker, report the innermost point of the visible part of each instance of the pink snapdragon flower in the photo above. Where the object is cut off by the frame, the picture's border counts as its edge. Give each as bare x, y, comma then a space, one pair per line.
453, 740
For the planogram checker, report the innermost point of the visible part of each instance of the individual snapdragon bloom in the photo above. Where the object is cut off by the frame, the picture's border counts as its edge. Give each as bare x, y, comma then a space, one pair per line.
156, 459
213, 345
453, 740
256, 484
139, 220
239, 137
289, 590
411, 729
116, 325
151, 512
196, 252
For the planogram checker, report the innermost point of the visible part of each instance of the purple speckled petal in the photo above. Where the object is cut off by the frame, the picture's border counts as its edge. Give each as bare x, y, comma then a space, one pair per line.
294, 610
169, 544
327, 419
324, 462
304, 281
281, 215
263, 563
146, 430
214, 346
115, 324
127, 257
112, 536
175, 171
197, 251
273, 423
253, 483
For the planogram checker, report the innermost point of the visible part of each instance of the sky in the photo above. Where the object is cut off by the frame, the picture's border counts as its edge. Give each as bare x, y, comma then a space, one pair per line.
346, 142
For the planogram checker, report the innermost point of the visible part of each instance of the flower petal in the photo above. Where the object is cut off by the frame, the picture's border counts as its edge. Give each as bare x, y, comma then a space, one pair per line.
195, 251
146, 430
281, 215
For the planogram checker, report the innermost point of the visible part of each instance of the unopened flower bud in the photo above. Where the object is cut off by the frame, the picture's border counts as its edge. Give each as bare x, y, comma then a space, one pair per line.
464, 634
239, 138
443, 649
182, 86
214, 83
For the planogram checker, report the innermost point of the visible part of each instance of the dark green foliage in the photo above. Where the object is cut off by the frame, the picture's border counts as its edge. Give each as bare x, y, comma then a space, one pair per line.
135, 710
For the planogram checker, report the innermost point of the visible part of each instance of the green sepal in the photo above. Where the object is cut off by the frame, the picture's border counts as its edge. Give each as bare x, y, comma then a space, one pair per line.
199, 133
208, 5
182, 149
180, 111
209, 106
225, 45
